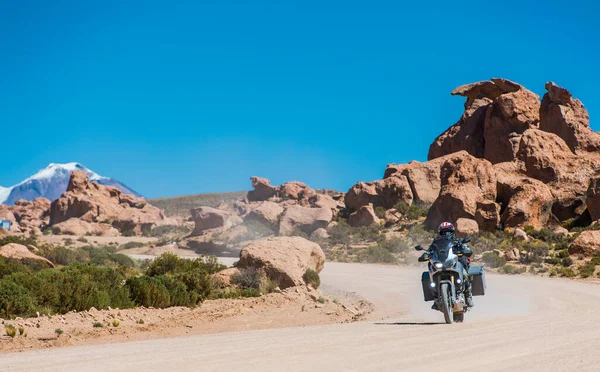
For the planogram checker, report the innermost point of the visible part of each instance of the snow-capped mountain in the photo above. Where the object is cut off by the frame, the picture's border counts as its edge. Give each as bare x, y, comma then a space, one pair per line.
51, 182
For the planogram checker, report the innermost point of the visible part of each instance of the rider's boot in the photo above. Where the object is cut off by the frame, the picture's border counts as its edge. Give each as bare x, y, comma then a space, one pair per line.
434, 306
469, 296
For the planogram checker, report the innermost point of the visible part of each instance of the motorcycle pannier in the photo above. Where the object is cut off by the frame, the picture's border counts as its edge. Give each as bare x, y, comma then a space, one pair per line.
426, 289
477, 275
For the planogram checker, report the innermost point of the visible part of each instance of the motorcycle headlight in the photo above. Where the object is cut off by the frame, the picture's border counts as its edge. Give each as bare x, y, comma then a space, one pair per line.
438, 265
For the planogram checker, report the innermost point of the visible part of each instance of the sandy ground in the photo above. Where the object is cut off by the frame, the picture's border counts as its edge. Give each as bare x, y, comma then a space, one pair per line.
523, 323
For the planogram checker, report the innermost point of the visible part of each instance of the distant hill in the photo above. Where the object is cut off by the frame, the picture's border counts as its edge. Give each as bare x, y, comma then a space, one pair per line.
181, 205
51, 182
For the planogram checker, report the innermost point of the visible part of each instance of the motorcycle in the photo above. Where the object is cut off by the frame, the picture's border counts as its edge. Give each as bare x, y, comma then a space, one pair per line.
445, 281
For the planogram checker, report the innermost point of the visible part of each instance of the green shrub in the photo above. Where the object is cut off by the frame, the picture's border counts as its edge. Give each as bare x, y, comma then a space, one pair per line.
394, 245
97, 325
567, 272
249, 278
566, 262
380, 212
130, 245
82, 240
169, 263
149, 292
512, 270
377, 254
168, 229
58, 331
15, 300
492, 259
534, 252
586, 270
128, 233
10, 330
198, 284
311, 277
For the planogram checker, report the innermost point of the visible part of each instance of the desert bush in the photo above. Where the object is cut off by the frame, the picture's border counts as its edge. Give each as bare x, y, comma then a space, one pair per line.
128, 233
149, 292
18, 240
566, 261
97, 325
130, 245
197, 283
311, 277
394, 245
10, 330
586, 270
567, 272
380, 212
169, 263
169, 230
492, 259
82, 239
15, 300
412, 212
377, 254
59, 331
534, 252
512, 270
595, 259
249, 278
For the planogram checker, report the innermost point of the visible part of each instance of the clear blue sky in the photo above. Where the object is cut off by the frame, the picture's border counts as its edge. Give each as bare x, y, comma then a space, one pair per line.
175, 97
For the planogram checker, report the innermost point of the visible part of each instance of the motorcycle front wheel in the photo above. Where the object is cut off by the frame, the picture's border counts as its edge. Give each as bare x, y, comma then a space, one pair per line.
446, 307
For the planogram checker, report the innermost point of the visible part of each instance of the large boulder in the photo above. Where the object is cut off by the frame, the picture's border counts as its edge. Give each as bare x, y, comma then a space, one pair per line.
207, 218
423, 178
283, 259
20, 252
586, 244
382, 193
262, 189
295, 190
304, 219
266, 212
468, 190
466, 227
92, 202
526, 201
364, 216
566, 117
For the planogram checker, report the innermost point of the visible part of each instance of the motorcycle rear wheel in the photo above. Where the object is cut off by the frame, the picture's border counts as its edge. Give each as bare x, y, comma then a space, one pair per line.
446, 308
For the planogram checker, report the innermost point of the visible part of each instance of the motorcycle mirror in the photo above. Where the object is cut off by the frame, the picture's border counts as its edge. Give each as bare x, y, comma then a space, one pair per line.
466, 240
419, 248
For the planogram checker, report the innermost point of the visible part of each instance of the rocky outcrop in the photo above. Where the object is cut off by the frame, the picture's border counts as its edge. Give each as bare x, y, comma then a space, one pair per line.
265, 212
525, 201
547, 158
92, 202
586, 244
20, 252
304, 219
364, 216
468, 190
382, 193
295, 190
77, 227
32, 214
284, 260
566, 117
262, 189
207, 218
496, 113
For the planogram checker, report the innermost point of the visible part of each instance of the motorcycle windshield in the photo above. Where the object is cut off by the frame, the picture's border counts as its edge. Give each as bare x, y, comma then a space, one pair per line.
442, 249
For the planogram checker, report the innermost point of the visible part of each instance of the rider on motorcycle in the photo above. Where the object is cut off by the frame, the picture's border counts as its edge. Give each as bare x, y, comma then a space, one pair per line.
447, 233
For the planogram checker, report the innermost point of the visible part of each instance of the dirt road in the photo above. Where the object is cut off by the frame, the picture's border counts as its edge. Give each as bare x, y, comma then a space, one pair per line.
523, 324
